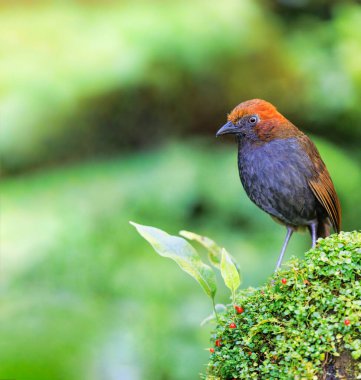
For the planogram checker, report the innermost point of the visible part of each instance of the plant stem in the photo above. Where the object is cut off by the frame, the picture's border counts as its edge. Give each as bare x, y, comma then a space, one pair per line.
214, 309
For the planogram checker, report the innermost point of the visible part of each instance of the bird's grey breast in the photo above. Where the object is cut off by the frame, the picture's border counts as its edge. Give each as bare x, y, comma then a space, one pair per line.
274, 175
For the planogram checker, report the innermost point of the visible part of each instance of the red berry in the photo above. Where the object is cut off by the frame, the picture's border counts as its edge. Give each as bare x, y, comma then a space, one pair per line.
239, 309
232, 326
218, 343
347, 322
211, 350
284, 281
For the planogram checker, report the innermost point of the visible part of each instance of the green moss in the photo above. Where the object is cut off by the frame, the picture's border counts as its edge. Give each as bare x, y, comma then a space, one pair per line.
298, 327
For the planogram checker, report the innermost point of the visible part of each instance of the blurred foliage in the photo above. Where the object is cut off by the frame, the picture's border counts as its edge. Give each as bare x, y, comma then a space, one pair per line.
82, 295
85, 78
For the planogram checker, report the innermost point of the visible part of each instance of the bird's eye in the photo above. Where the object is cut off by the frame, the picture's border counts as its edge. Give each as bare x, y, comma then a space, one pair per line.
252, 120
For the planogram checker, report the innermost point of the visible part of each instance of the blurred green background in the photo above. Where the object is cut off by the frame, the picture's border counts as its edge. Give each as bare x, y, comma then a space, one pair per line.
108, 114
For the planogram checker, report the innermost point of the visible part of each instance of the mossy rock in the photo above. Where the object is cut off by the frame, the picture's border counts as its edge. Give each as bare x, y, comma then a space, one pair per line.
304, 324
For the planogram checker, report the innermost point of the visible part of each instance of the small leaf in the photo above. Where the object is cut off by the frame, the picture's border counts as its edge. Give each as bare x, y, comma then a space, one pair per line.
208, 319
356, 354
229, 272
219, 308
182, 253
214, 250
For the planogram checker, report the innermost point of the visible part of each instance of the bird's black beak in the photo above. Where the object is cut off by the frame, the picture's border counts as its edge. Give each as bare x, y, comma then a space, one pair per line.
228, 128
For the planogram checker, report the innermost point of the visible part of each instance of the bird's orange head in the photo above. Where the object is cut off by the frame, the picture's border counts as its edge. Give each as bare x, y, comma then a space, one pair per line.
259, 120
263, 109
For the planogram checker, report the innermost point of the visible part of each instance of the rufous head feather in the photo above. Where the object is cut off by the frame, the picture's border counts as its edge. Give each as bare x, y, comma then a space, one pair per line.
263, 109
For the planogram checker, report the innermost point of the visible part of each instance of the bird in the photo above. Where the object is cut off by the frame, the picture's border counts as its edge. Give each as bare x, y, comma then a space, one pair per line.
282, 171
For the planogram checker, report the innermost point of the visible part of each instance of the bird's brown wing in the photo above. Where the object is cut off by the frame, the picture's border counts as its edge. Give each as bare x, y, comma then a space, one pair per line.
325, 192
322, 185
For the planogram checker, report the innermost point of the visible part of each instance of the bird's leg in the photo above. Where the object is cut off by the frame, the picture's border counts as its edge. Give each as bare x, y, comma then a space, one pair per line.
285, 243
314, 233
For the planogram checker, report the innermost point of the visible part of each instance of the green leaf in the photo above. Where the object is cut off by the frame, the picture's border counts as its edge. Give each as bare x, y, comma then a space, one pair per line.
229, 272
182, 253
356, 354
218, 309
214, 250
